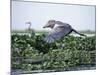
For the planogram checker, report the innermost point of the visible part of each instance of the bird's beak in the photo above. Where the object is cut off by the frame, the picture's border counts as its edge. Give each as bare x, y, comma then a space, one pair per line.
44, 27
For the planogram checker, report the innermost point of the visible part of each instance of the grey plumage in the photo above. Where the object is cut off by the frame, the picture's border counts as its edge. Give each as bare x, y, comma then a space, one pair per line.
58, 32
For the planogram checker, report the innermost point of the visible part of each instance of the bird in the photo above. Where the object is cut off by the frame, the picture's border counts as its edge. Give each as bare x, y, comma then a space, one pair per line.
58, 32
31, 31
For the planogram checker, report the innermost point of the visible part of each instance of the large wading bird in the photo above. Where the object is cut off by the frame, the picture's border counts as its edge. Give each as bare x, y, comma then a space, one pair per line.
58, 32
30, 30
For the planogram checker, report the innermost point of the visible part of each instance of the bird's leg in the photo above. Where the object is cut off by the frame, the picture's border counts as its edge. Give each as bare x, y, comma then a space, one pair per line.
78, 33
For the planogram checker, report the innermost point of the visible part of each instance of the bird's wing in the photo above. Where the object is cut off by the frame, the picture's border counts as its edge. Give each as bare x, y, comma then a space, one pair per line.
57, 33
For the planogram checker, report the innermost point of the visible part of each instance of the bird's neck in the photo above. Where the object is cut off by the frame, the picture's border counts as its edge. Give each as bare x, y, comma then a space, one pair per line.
29, 27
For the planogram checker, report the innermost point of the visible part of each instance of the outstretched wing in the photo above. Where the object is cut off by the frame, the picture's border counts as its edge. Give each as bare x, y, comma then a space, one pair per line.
57, 33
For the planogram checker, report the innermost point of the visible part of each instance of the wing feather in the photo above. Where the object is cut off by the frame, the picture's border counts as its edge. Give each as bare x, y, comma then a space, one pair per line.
57, 34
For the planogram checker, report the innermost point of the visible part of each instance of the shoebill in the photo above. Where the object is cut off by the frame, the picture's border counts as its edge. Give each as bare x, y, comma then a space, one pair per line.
58, 32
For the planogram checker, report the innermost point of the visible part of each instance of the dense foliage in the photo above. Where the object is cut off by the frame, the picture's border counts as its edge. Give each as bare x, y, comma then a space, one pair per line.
32, 53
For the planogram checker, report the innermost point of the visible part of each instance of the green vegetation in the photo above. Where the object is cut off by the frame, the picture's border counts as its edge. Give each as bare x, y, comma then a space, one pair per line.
32, 53
27, 31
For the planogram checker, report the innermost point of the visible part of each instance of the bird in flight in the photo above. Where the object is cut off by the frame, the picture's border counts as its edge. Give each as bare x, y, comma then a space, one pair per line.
58, 32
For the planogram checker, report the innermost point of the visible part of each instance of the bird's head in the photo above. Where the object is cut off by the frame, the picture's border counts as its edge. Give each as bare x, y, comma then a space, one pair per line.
50, 24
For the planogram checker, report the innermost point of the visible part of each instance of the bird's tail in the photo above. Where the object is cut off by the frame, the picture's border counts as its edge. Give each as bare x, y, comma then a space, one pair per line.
78, 33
